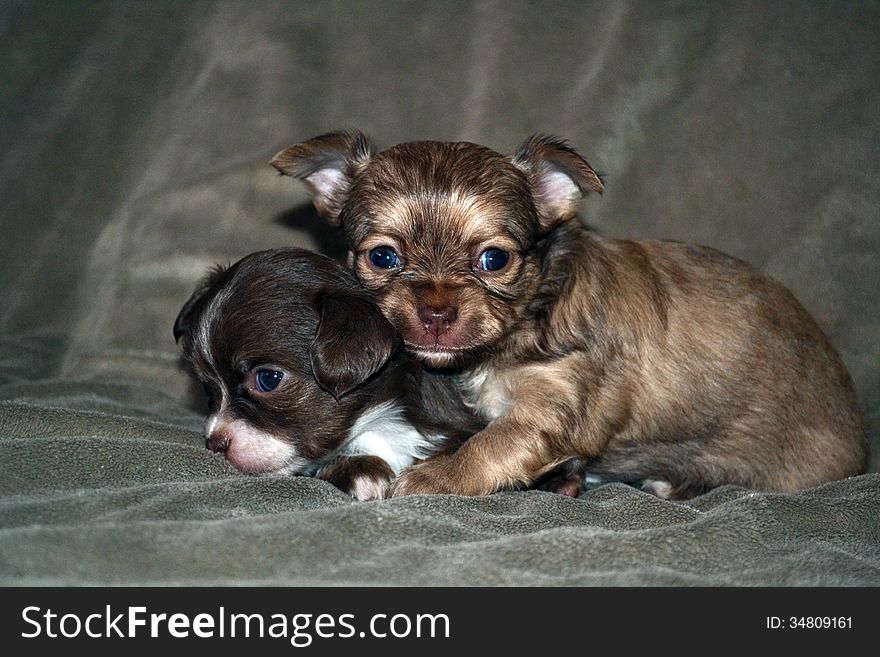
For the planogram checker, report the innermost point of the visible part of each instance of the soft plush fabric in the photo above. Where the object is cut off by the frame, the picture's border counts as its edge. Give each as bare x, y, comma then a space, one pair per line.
135, 139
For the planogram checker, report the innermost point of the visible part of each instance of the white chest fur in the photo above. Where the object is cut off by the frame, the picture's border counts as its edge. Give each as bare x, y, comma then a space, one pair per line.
383, 431
488, 390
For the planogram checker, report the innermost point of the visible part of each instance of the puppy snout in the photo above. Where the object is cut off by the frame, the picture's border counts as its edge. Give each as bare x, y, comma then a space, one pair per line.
438, 320
218, 442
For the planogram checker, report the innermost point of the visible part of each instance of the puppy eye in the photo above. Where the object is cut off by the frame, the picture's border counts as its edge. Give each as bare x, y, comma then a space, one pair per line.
493, 259
384, 257
268, 380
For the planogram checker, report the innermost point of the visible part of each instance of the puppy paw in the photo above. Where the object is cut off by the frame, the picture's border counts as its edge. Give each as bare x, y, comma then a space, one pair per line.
432, 477
365, 478
568, 479
568, 485
368, 487
658, 488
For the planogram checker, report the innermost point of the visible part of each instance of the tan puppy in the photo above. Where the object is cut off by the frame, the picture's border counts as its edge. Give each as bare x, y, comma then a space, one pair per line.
655, 362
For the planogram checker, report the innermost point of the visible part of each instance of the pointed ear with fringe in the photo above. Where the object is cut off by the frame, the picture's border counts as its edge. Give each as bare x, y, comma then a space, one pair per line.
203, 292
326, 165
559, 177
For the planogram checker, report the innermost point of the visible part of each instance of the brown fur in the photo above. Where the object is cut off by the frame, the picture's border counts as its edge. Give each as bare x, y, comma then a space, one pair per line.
650, 360
303, 316
364, 477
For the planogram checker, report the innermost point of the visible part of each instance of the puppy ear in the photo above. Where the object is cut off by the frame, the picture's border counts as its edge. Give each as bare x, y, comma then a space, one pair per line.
183, 323
352, 343
326, 164
197, 301
560, 178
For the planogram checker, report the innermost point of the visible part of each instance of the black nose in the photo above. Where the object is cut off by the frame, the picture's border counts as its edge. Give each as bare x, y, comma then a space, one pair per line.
218, 443
438, 320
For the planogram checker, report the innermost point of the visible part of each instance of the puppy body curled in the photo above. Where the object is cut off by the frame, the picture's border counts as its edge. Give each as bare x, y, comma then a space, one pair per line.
651, 361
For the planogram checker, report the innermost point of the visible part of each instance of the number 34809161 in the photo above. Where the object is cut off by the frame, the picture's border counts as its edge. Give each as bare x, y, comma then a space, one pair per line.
809, 623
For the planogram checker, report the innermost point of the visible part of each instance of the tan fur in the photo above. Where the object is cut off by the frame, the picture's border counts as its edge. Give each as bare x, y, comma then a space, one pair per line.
651, 360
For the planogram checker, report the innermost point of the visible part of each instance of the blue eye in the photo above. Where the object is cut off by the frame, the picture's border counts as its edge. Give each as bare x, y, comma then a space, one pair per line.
268, 380
384, 257
494, 259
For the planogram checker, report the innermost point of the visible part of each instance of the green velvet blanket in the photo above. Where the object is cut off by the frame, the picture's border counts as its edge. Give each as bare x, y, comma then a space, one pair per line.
134, 140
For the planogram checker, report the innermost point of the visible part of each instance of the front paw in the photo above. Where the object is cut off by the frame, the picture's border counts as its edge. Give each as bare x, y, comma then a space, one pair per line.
365, 478
432, 477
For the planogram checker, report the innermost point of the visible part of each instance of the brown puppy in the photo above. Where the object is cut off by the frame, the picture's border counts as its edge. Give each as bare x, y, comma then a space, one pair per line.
655, 362
304, 375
